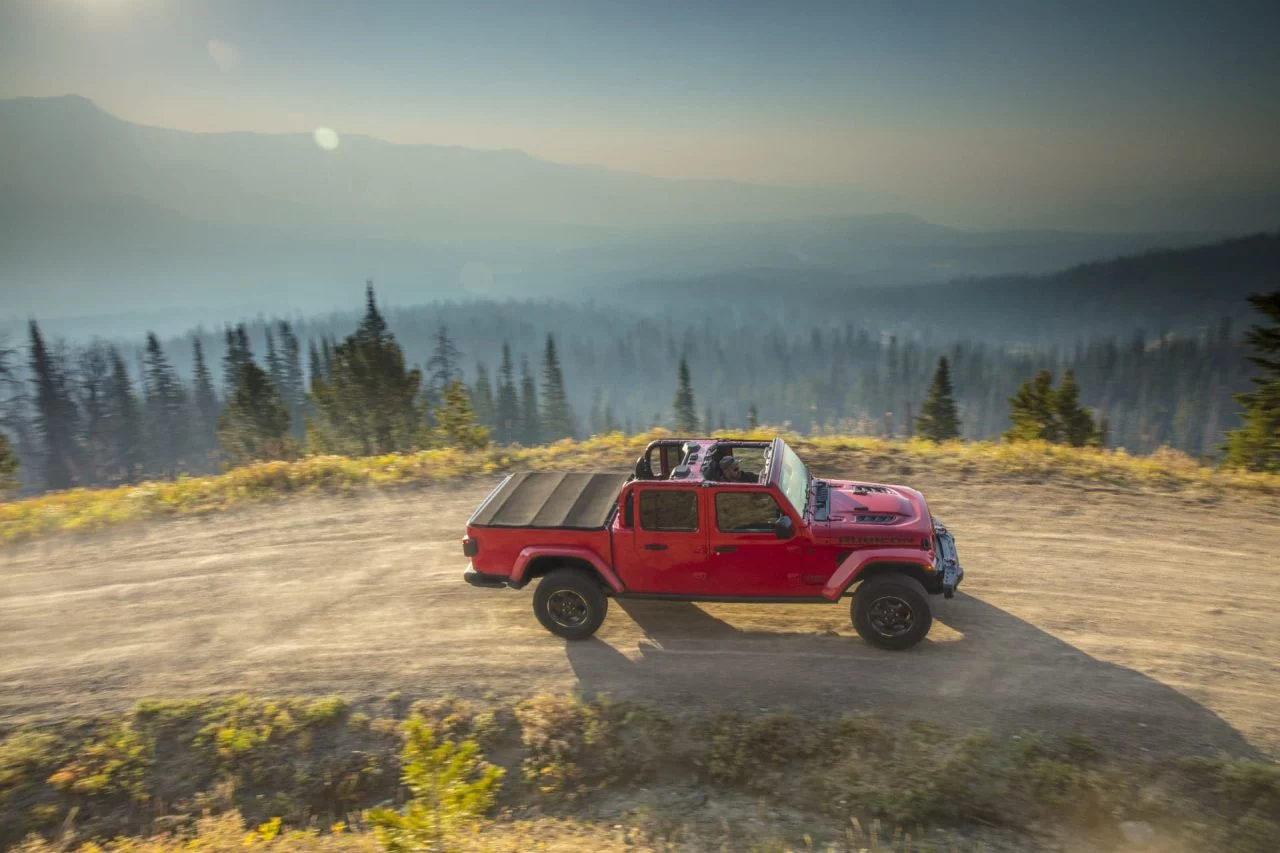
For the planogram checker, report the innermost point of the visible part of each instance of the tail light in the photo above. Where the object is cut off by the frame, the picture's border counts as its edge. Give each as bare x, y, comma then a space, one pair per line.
470, 547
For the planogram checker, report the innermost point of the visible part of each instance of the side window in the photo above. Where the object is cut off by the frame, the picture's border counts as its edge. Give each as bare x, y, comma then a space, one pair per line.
746, 512
668, 509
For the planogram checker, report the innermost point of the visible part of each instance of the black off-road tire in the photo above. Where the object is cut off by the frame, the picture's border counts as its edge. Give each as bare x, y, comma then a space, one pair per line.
569, 603
892, 611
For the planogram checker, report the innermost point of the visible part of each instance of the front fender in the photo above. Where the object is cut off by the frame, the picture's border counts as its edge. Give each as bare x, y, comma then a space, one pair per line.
528, 555
848, 571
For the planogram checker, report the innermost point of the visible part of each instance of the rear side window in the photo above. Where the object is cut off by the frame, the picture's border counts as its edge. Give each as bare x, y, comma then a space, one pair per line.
668, 510
746, 512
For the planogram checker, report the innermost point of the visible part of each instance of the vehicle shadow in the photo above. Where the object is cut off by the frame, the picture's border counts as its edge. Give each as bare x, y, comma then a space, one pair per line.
1003, 673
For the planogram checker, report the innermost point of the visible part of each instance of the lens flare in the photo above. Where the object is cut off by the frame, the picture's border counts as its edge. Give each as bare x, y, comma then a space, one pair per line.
326, 138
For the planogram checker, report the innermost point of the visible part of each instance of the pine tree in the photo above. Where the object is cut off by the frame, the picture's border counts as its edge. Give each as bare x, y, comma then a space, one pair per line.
508, 426
293, 390
483, 398
530, 418
237, 355
371, 403
93, 376
56, 415
315, 367
205, 409
452, 787
1256, 444
373, 327
12, 399
444, 366
1075, 423
8, 466
753, 418
230, 362
125, 433
326, 358
557, 418
707, 420
167, 425
938, 420
255, 425
1033, 411
10, 418
684, 408
610, 421
456, 421
275, 366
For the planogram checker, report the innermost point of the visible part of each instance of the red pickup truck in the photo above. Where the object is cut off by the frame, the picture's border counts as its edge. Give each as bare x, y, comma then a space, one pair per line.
678, 528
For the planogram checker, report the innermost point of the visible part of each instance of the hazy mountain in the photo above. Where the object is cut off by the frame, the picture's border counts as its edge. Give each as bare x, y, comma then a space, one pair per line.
862, 250
67, 147
1177, 290
102, 216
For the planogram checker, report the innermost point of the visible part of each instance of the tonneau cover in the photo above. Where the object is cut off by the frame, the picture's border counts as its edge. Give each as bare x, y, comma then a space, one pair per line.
551, 499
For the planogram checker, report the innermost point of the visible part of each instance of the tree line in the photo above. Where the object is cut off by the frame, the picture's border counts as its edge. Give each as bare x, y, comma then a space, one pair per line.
1175, 389
109, 413
80, 419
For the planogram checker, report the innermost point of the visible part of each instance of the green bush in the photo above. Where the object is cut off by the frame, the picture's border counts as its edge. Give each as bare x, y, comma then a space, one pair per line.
452, 787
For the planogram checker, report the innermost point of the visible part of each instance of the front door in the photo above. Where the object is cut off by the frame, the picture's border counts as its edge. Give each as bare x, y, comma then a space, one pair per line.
670, 550
748, 558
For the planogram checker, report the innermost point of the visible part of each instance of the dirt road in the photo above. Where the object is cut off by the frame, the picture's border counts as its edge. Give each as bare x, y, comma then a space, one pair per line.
1149, 622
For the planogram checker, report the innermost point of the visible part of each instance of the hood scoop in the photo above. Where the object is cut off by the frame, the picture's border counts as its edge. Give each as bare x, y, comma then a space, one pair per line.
862, 504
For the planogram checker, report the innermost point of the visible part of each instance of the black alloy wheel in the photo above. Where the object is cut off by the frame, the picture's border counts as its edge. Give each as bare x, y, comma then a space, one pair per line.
570, 603
891, 611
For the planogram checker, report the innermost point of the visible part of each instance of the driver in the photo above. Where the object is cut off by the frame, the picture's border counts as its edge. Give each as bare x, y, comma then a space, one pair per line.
732, 472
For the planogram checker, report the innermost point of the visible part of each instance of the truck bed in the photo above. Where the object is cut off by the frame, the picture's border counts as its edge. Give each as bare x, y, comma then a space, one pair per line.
551, 499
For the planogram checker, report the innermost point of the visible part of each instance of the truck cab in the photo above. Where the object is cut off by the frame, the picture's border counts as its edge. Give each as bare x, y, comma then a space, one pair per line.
686, 526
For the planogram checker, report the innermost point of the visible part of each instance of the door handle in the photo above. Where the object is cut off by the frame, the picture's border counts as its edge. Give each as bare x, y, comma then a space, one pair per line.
655, 547
726, 549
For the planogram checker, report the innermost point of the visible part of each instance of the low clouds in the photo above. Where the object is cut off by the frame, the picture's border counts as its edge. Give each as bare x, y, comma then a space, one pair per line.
224, 54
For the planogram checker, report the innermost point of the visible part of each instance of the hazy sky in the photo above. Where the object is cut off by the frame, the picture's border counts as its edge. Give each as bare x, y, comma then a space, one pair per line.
966, 111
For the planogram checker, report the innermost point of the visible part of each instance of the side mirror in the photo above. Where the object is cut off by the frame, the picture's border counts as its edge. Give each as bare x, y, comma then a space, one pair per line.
783, 528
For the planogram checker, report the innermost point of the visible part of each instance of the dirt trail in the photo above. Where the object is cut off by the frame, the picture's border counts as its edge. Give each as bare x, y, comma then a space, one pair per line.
1149, 622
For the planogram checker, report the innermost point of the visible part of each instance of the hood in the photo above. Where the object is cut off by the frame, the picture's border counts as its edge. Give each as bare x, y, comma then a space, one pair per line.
851, 502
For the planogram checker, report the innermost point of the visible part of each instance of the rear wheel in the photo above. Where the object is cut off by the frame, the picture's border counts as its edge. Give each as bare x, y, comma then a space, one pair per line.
570, 604
892, 611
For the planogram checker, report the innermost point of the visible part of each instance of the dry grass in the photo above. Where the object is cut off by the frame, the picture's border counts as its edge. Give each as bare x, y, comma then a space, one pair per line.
583, 775
89, 509
227, 833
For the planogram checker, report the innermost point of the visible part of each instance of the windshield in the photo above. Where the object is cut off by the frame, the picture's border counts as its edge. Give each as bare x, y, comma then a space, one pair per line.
794, 481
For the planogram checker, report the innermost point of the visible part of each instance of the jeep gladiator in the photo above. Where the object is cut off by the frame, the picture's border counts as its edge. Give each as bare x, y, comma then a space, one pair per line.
675, 529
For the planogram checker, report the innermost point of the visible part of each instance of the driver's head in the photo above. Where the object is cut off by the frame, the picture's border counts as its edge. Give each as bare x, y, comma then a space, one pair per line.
730, 468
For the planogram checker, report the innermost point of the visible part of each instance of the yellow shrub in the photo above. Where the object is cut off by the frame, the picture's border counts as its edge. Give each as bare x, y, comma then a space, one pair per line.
91, 509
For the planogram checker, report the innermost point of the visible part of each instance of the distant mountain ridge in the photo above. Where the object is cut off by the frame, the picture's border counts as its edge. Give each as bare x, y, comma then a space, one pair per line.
1181, 290
99, 215
70, 148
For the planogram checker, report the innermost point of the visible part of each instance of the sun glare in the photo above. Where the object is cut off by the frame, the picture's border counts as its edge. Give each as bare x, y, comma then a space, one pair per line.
326, 138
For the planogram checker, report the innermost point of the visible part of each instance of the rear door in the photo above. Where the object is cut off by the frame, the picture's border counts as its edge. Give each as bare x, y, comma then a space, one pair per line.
669, 555
747, 558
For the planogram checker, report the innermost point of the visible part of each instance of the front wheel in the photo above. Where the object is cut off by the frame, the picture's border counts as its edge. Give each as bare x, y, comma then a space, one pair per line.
570, 604
892, 611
